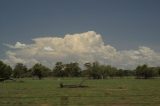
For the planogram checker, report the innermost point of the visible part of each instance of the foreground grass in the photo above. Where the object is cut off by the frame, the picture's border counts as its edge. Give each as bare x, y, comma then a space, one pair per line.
110, 92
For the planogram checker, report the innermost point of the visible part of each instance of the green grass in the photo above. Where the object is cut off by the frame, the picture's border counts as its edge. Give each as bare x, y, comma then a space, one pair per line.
109, 92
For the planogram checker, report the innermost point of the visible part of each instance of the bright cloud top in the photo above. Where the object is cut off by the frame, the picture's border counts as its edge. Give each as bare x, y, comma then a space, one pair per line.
82, 47
18, 45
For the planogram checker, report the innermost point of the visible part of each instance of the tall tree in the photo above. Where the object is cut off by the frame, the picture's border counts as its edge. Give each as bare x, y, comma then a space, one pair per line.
72, 69
96, 70
145, 72
88, 69
5, 70
20, 70
40, 71
58, 70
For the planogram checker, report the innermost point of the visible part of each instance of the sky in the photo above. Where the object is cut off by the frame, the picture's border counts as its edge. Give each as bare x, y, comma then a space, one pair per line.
125, 28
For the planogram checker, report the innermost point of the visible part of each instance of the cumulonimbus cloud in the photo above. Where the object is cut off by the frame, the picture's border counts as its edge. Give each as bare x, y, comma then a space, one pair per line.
82, 47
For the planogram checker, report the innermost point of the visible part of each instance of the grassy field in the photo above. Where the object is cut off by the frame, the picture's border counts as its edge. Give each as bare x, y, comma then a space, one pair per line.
111, 92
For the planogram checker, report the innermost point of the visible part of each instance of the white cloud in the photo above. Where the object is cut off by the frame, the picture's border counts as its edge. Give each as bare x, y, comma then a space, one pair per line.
48, 48
18, 45
81, 47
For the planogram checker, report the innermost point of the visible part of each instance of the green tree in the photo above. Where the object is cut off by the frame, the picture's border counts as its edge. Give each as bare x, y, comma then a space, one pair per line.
157, 71
112, 71
120, 73
95, 70
87, 71
20, 71
145, 72
158, 68
58, 70
72, 70
40, 71
104, 73
5, 70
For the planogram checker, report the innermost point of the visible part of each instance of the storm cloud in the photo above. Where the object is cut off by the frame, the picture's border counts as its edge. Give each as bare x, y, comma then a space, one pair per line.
80, 47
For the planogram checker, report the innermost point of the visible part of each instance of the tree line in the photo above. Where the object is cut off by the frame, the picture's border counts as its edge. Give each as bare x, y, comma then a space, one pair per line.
93, 70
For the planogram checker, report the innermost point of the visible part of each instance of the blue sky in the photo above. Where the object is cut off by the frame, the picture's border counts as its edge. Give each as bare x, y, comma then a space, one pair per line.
124, 24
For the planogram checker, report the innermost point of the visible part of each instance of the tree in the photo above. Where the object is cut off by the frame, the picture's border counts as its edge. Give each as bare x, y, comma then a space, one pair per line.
5, 70
111, 71
95, 70
87, 72
120, 73
66, 70
145, 72
72, 70
40, 71
58, 70
104, 73
20, 71
158, 68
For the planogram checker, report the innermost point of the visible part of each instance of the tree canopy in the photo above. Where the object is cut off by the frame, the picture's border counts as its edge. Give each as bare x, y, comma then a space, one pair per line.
20, 71
40, 71
93, 70
5, 70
